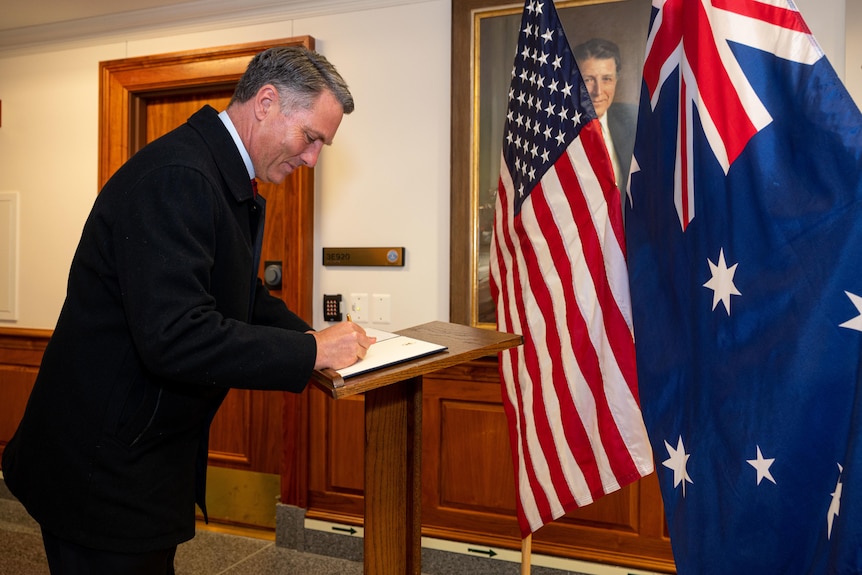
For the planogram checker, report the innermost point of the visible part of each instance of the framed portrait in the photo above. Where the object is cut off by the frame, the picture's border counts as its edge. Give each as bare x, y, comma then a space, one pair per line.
484, 42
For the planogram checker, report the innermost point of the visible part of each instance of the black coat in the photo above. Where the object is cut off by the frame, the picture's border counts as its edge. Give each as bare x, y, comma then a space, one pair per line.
163, 314
622, 124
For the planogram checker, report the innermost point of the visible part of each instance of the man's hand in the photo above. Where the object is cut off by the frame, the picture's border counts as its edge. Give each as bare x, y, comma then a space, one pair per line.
341, 345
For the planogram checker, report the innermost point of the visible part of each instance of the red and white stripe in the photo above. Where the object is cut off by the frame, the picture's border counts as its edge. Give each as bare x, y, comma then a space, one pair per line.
559, 275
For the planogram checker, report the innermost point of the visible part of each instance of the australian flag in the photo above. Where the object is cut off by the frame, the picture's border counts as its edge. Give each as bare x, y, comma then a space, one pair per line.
744, 229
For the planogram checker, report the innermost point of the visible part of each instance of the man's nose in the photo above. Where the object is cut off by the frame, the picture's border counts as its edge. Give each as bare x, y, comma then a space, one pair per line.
311, 153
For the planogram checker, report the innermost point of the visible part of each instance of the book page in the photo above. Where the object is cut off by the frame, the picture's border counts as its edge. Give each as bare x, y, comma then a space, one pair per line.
389, 349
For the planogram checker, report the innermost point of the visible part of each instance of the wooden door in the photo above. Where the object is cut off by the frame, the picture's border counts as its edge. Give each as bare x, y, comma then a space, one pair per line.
250, 447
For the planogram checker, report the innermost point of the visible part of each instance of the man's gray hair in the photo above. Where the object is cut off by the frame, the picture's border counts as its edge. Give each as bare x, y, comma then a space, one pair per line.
300, 75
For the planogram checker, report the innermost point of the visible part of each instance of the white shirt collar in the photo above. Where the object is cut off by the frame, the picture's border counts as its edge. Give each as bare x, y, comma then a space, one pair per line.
604, 122
236, 140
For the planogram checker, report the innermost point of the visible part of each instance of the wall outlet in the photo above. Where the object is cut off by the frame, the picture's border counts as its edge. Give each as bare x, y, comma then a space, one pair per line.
381, 308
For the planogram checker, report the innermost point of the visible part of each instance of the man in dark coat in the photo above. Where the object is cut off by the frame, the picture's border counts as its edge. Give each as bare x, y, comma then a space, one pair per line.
164, 314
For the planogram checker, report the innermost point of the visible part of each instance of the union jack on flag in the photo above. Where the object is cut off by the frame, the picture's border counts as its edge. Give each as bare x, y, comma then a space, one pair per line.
744, 230
710, 77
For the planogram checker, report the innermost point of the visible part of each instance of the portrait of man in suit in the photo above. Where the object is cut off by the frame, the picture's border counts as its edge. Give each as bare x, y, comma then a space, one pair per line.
600, 64
614, 36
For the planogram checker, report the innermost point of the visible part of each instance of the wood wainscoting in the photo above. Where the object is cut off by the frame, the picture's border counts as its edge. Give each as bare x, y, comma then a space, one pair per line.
20, 356
468, 491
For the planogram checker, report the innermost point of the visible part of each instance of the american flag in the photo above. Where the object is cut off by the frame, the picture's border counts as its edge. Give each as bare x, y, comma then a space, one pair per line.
558, 276
745, 239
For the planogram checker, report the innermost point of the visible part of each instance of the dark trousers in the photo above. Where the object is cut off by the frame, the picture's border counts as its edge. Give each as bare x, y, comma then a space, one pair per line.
66, 558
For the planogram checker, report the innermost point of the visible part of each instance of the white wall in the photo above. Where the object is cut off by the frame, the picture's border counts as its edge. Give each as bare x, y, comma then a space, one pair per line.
825, 18
385, 181
48, 152
853, 51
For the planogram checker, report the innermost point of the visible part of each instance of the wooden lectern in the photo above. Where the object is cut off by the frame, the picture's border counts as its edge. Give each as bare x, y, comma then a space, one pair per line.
393, 439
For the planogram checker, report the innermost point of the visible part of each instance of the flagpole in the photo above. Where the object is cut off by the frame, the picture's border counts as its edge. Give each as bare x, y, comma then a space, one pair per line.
526, 553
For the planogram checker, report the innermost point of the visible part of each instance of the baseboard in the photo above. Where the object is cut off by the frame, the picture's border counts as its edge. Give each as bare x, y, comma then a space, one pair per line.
439, 557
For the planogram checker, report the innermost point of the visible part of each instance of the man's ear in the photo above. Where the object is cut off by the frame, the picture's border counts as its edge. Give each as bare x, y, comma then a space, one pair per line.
265, 101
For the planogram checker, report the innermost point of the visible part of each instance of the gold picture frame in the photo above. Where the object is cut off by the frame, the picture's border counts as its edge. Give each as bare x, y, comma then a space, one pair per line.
484, 40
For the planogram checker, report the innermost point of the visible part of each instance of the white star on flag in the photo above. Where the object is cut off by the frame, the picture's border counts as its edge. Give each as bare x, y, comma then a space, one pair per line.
721, 282
762, 466
677, 462
856, 322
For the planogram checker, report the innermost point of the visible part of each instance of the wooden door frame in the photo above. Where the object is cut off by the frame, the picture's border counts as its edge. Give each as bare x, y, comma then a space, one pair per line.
124, 86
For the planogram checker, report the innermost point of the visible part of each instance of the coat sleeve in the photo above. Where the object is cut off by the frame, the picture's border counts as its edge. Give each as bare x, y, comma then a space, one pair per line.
270, 310
184, 266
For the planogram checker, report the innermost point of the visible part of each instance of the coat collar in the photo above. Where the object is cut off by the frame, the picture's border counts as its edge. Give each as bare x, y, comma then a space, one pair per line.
223, 149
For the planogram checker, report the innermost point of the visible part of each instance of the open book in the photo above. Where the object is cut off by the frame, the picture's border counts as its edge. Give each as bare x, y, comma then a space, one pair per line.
389, 349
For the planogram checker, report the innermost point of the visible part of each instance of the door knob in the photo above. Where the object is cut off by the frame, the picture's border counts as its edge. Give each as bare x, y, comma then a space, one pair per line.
272, 275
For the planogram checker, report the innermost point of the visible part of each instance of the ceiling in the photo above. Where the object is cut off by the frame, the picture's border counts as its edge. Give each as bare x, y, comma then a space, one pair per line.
26, 24
30, 23
18, 14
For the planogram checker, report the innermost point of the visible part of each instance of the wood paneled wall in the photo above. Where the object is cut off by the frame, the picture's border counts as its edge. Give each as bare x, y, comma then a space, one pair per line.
20, 355
468, 491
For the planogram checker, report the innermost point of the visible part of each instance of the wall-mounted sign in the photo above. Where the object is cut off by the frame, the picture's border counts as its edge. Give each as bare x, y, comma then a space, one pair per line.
388, 257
